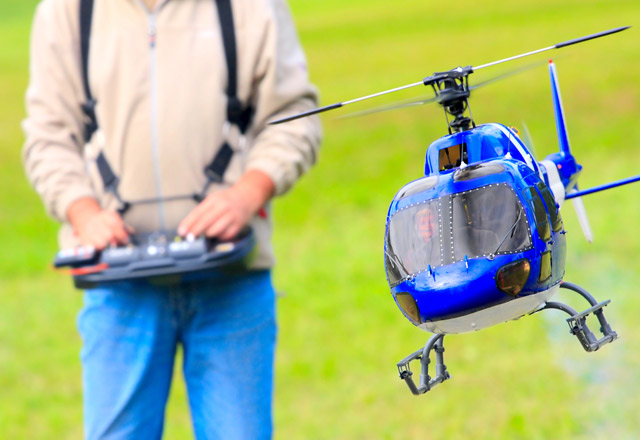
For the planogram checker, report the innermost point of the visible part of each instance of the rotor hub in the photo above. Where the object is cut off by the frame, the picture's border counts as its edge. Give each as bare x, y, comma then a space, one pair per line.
452, 92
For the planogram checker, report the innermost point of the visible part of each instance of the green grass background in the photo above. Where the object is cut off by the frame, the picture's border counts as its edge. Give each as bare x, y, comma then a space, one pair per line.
340, 332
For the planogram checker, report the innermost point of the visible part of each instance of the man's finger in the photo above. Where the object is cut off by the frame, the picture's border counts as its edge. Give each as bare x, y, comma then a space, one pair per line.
100, 238
207, 220
130, 230
220, 226
230, 232
119, 234
187, 223
202, 217
116, 228
112, 219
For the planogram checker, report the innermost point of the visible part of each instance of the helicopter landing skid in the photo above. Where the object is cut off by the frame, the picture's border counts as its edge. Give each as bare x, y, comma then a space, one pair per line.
578, 321
426, 381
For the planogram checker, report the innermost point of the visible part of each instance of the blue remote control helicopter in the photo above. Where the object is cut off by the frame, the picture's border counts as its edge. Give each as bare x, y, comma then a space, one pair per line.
479, 239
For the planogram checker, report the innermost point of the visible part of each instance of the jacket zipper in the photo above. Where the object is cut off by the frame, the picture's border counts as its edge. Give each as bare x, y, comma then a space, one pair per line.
154, 117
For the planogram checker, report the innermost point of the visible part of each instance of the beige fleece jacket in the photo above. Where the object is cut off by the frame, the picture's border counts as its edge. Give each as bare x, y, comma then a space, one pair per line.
159, 79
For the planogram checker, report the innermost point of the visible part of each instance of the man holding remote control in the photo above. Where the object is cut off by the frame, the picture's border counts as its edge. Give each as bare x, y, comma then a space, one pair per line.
133, 107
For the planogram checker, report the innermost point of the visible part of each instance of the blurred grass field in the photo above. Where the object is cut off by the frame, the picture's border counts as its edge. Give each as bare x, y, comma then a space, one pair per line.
340, 332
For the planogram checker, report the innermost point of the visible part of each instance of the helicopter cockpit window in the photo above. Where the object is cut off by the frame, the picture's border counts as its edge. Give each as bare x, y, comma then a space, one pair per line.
539, 212
554, 214
395, 270
413, 240
452, 157
485, 221
488, 221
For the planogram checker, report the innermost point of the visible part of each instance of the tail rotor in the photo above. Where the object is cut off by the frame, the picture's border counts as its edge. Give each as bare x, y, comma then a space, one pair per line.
566, 165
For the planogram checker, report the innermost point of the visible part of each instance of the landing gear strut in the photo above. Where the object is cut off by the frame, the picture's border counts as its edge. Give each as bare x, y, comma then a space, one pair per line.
578, 321
577, 326
426, 381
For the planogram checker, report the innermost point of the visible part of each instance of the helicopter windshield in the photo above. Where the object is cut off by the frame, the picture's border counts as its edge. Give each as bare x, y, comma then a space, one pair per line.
489, 220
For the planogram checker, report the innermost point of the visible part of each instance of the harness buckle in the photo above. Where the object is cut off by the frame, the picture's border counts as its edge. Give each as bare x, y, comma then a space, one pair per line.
241, 140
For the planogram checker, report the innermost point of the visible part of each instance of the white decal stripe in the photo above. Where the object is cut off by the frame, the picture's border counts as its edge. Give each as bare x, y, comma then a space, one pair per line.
524, 152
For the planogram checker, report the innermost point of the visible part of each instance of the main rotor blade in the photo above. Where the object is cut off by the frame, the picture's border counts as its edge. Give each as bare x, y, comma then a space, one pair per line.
509, 73
419, 83
421, 100
555, 46
341, 104
528, 139
393, 106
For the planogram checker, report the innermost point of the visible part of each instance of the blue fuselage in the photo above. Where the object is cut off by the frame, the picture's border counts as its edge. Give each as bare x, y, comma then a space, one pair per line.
479, 230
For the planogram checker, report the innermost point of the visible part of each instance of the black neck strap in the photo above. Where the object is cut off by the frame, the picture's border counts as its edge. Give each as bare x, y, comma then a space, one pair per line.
88, 108
237, 114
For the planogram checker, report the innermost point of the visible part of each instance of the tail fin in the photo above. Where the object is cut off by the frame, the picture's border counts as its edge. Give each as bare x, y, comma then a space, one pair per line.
563, 137
564, 163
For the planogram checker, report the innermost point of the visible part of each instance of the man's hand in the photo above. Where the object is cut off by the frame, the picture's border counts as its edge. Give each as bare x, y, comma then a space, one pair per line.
96, 227
224, 213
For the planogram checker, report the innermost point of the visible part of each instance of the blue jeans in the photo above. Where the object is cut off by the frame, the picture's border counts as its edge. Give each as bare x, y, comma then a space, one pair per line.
130, 332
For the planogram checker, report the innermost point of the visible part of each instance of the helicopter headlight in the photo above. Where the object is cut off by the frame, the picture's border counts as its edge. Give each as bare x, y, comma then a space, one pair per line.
512, 277
408, 305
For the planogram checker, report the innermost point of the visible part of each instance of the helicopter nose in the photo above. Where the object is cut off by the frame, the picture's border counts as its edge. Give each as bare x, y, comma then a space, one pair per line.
462, 287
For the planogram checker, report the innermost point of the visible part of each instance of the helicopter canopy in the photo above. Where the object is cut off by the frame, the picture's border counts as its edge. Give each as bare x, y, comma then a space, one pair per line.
489, 220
